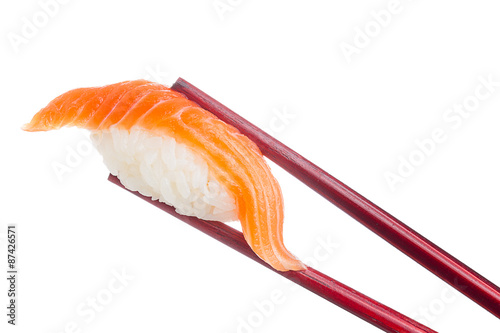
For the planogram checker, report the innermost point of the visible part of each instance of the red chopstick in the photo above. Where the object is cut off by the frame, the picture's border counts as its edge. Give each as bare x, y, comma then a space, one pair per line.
349, 299
417, 247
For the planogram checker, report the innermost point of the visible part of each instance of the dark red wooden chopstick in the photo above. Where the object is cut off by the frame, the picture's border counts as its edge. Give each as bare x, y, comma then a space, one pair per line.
349, 299
417, 247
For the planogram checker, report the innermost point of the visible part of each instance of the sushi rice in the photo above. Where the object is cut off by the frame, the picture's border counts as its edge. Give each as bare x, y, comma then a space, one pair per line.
165, 170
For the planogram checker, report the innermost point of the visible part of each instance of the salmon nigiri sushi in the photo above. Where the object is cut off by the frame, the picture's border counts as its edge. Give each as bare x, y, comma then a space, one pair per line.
165, 146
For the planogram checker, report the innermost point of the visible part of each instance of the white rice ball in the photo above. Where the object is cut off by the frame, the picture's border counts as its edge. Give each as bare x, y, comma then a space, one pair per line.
165, 170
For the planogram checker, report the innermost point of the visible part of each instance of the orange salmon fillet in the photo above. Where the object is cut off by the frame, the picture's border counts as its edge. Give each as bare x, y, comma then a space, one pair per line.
235, 160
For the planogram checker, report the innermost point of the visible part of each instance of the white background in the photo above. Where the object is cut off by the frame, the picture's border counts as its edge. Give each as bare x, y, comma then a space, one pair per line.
354, 119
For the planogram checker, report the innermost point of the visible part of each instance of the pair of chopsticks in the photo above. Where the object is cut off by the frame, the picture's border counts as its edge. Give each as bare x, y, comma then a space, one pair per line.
339, 294
439, 262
